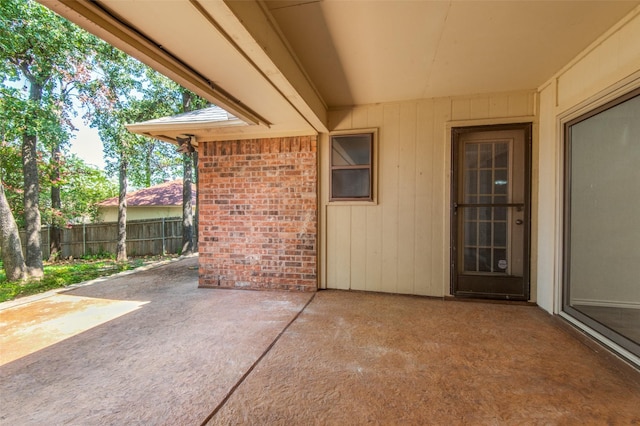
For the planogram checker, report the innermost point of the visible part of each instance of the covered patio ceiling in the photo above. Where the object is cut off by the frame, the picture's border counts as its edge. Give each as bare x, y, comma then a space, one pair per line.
280, 65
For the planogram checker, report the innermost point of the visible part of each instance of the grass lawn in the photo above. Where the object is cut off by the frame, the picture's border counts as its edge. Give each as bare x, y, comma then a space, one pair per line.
65, 273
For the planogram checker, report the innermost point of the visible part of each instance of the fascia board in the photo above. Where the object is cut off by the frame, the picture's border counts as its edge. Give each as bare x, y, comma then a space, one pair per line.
252, 29
97, 20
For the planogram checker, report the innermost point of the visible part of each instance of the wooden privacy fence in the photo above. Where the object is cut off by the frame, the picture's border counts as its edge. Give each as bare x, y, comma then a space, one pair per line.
144, 237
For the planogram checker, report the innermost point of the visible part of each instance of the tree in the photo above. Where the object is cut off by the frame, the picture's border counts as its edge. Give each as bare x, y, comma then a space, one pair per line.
112, 97
82, 186
39, 49
11, 105
55, 163
10, 246
196, 216
157, 161
54, 62
190, 102
162, 97
187, 209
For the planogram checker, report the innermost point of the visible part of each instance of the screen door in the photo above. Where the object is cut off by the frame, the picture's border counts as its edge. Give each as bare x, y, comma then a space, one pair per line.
490, 212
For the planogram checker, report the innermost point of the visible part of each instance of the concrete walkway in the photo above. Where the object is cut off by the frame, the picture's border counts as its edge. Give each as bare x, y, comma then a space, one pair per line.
152, 349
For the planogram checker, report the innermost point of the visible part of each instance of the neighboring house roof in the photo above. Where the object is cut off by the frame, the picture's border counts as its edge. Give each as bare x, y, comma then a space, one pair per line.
165, 194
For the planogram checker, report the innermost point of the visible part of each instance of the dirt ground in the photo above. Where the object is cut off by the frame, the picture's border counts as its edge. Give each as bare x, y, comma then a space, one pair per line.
152, 349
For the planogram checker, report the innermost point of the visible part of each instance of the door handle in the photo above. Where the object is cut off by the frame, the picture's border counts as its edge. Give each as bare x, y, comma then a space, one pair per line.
519, 221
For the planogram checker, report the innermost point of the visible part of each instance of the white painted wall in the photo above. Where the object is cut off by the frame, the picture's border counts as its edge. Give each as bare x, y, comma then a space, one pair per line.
605, 70
401, 243
110, 214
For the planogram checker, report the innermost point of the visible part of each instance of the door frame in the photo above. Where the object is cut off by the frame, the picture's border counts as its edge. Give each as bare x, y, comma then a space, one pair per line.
456, 132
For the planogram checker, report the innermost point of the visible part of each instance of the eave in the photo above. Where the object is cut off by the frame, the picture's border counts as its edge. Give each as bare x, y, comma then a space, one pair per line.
268, 91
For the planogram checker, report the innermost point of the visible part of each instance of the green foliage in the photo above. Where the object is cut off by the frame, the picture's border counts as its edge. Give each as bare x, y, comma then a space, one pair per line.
82, 187
67, 273
11, 175
141, 94
42, 57
40, 50
99, 255
76, 71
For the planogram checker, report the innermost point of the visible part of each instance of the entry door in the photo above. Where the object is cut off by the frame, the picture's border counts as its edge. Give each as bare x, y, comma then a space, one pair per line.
490, 212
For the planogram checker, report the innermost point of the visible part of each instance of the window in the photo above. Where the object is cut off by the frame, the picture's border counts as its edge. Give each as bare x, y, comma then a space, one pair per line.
352, 167
601, 232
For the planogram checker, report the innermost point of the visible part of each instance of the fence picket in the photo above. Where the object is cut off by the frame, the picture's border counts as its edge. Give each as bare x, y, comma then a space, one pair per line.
144, 237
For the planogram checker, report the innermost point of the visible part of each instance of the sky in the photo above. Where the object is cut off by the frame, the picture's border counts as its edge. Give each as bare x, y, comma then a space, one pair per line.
87, 145
85, 142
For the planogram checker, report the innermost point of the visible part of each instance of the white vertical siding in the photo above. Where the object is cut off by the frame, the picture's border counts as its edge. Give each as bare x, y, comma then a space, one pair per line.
401, 244
388, 196
548, 152
423, 239
610, 65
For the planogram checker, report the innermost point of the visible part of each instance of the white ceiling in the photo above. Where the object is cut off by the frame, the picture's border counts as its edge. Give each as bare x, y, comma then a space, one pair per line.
360, 52
282, 64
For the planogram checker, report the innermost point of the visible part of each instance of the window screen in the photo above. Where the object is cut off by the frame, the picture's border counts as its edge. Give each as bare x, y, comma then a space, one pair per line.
351, 166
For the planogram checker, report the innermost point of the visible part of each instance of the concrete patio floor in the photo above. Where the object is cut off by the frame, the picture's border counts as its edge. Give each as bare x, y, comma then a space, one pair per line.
151, 348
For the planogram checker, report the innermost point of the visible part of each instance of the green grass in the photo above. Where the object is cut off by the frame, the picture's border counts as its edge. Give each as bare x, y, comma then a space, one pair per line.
63, 274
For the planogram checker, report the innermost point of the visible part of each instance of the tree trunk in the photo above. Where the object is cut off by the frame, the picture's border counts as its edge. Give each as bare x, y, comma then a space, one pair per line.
197, 212
10, 247
121, 248
148, 166
32, 219
55, 232
187, 209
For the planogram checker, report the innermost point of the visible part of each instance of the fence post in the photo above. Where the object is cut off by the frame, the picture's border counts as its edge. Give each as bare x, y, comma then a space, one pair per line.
163, 246
84, 239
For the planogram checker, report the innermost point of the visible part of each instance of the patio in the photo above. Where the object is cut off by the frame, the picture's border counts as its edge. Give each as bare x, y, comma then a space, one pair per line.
162, 351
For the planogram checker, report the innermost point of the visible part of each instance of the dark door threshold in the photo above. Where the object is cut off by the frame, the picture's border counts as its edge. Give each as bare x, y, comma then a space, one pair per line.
494, 301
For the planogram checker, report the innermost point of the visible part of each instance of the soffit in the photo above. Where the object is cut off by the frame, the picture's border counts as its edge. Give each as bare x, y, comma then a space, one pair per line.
181, 29
361, 52
206, 39
286, 62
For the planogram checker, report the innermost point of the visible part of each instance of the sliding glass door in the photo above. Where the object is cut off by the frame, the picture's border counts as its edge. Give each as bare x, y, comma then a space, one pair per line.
602, 220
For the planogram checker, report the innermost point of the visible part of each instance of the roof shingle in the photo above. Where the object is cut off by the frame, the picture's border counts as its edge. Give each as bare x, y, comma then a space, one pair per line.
165, 194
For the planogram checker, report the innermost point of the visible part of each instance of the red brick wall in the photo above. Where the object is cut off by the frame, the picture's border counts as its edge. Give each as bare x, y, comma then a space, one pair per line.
258, 214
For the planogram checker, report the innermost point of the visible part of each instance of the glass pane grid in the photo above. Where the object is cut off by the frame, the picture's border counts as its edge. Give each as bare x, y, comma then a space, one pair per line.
485, 228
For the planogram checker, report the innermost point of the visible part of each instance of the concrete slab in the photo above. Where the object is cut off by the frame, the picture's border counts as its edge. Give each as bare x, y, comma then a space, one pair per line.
33, 326
153, 349
358, 358
146, 348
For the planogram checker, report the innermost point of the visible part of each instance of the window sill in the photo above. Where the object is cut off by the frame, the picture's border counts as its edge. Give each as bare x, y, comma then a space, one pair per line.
367, 203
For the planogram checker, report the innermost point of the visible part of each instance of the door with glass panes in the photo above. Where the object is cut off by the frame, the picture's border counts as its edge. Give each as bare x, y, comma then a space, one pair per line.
490, 212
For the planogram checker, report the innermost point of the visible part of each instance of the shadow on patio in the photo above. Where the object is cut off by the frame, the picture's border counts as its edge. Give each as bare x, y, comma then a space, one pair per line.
347, 358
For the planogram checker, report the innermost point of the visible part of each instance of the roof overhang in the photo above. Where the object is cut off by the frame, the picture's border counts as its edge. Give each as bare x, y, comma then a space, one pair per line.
208, 124
281, 65
205, 47
169, 132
